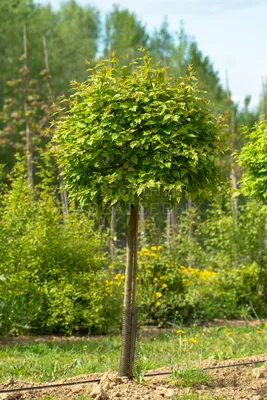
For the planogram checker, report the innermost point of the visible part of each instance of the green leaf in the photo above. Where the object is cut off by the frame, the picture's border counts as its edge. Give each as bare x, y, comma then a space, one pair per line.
134, 158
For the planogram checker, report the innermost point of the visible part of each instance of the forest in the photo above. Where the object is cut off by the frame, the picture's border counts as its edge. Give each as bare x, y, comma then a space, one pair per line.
201, 255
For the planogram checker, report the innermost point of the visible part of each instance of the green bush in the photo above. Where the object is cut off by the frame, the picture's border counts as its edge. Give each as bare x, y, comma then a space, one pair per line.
56, 277
52, 269
176, 294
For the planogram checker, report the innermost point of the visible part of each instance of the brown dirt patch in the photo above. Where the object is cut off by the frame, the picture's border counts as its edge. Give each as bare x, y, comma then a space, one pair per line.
235, 383
145, 331
235, 323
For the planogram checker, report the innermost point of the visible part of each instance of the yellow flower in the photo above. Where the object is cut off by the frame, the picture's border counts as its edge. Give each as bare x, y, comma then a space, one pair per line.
145, 250
153, 248
164, 286
156, 280
111, 266
229, 333
193, 340
158, 295
197, 335
259, 331
159, 247
180, 332
158, 303
84, 347
154, 255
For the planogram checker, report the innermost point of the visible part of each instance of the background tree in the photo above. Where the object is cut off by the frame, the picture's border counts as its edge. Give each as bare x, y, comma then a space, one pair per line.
124, 34
161, 44
72, 41
253, 158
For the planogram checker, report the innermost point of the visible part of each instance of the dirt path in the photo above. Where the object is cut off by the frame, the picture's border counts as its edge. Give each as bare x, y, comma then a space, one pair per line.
236, 383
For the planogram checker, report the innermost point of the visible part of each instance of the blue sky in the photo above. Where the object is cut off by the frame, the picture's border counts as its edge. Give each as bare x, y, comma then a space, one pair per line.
232, 33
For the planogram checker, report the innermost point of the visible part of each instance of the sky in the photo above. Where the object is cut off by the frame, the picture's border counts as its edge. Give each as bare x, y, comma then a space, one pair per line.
233, 33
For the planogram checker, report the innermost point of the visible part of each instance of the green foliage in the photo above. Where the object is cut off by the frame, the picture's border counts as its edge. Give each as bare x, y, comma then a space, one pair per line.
53, 274
127, 132
253, 158
63, 29
218, 272
162, 44
124, 34
139, 374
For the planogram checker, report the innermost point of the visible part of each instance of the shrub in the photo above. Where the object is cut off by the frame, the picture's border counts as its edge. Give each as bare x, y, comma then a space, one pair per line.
52, 270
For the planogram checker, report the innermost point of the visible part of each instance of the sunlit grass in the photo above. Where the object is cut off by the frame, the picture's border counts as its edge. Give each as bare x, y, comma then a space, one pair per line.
49, 361
196, 396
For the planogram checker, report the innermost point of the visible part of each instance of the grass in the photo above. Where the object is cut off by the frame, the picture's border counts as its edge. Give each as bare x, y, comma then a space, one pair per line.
49, 361
188, 377
195, 396
79, 397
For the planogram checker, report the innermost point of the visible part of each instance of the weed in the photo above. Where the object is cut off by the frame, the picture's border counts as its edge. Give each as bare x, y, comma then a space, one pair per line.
139, 374
189, 377
196, 396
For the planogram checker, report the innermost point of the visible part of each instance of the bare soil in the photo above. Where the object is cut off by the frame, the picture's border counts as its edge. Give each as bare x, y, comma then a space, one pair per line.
235, 383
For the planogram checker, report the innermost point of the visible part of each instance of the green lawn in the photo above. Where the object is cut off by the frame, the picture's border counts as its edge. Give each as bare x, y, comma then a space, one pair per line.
49, 361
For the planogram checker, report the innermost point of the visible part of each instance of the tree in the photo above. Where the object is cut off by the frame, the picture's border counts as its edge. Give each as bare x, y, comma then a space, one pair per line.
128, 131
253, 157
162, 44
71, 42
124, 34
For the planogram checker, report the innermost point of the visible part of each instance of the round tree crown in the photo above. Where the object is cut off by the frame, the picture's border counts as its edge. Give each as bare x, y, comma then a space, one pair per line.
134, 128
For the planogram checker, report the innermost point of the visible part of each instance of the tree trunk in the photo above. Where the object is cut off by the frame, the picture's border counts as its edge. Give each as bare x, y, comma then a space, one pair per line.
168, 231
29, 150
63, 193
233, 179
171, 221
173, 218
142, 220
129, 306
262, 107
113, 232
190, 222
